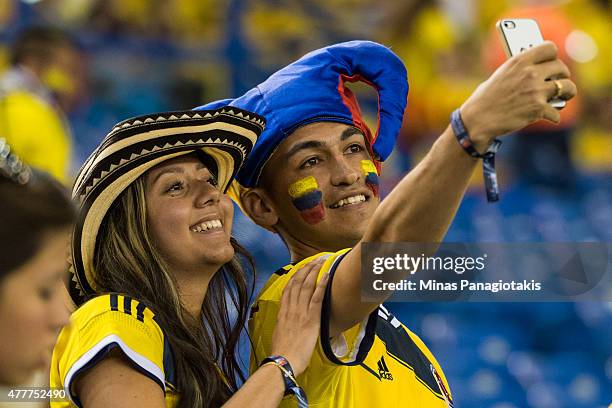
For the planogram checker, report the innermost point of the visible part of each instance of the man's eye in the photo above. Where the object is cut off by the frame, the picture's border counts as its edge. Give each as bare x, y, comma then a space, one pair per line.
355, 148
310, 162
178, 186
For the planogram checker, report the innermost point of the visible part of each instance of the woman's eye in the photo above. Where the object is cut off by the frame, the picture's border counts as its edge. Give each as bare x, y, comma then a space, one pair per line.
178, 186
355, 148
310, 162
213, 181
45, 294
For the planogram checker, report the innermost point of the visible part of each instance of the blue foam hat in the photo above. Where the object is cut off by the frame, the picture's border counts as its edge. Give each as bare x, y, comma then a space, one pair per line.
313, 89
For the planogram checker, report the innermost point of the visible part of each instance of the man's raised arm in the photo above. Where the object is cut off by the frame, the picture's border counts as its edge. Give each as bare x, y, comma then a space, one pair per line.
421, 207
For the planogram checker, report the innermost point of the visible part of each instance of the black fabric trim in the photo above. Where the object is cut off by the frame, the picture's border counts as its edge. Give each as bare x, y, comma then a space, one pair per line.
140, 308
368, 338
169, 364
419, 379
127, 305
284, 270
402, 348
114, 302
99, 357
369, 370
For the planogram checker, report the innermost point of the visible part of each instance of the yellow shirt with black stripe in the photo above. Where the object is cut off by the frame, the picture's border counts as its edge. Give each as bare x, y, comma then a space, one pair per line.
377, 363
102, 324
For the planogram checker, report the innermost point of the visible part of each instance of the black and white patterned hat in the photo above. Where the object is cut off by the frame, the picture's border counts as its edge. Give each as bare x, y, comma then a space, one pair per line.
225, 136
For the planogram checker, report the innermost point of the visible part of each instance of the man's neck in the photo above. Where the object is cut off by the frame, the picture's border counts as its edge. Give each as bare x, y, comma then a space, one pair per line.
299, 250
299, 253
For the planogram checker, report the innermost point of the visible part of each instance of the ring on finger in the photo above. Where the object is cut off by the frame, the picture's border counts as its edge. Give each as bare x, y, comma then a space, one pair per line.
559, 88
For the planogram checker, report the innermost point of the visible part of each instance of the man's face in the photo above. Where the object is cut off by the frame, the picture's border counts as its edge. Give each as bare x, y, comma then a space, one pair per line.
322, 184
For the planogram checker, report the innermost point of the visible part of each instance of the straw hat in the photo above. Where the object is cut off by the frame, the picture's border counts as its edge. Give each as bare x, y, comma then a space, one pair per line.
225, 136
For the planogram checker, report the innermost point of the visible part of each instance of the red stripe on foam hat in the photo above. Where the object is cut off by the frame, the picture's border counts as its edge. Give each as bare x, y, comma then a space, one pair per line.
349, 100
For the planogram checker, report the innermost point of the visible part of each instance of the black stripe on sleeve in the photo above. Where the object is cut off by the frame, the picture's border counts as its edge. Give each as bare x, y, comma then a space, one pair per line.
140, 308
114, 302
127, 305
370, 329
285, 269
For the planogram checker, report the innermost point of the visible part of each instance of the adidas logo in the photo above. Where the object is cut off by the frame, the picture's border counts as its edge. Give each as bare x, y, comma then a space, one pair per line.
383, 370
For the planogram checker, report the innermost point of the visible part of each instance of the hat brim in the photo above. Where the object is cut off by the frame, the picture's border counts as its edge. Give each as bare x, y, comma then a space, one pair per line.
226, 135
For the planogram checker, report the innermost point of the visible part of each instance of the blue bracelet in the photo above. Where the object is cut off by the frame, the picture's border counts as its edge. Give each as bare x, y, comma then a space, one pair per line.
488, 157
291, 385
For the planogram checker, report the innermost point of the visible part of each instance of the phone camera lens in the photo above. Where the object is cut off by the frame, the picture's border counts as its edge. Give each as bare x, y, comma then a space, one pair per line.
509, 24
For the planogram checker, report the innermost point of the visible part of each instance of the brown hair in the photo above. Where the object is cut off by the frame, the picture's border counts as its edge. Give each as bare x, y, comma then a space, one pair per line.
38, 42
204, 351
27, 212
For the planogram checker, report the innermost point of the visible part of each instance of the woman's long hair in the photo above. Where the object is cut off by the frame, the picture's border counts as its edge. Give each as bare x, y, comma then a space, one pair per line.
126, 261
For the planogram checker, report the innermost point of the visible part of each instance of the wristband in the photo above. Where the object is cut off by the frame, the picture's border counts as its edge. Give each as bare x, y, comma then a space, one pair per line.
291, 385
488, 157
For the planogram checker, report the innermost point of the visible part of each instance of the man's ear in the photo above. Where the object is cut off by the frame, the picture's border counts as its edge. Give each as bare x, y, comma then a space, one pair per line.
257, 206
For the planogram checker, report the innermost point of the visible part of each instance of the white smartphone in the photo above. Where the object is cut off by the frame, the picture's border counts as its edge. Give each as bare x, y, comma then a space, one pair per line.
520, 34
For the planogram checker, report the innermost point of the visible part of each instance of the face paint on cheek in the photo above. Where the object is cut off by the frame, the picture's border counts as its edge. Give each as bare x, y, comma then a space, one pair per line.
371, 176
308, 199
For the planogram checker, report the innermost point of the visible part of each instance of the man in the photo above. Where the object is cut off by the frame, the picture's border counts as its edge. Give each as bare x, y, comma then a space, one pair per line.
42, 61
312, 178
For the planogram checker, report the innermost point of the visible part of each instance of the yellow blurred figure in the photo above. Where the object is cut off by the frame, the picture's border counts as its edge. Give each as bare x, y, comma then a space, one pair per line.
38, 133
30, 117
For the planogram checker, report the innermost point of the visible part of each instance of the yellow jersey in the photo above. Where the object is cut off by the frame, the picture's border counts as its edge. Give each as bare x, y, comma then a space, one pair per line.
36, 132
102, 324
377, 363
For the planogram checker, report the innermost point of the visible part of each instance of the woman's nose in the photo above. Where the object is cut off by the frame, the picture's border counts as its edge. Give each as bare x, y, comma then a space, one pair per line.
207, 194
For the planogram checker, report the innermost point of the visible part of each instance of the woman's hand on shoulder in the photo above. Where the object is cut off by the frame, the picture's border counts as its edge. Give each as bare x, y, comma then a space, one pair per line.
299, 317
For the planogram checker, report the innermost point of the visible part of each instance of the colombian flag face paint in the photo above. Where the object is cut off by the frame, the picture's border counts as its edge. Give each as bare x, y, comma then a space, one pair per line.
371, 175
308, 199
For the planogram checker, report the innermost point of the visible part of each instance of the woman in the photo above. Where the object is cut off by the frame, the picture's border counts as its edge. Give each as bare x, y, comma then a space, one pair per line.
35, 219
155, 264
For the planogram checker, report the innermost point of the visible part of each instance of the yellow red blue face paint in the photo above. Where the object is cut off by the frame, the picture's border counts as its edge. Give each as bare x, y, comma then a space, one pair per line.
308, 199
371, 176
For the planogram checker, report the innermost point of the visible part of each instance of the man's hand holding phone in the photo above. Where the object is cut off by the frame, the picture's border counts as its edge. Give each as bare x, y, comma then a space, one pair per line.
517, 94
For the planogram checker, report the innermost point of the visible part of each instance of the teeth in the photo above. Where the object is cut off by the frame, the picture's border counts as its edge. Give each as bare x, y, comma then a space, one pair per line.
349, 200
207, 225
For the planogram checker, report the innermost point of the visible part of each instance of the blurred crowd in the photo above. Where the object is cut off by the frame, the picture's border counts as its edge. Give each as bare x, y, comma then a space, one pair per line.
113, 59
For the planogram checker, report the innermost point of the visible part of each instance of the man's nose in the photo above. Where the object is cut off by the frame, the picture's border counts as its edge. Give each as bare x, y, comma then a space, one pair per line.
345, 173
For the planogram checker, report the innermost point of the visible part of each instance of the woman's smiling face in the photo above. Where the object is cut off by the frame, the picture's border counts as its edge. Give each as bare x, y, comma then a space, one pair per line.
189, 218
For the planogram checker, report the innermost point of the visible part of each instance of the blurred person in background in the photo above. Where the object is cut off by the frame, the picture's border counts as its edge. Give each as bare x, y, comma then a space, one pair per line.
327, 200
35, 220
160, 282
40, 79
